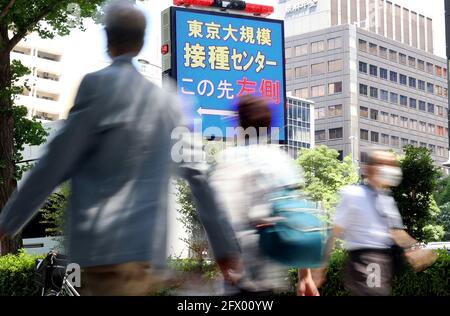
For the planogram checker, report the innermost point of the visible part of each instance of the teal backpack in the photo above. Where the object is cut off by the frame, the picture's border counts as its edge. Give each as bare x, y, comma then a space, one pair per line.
299, 240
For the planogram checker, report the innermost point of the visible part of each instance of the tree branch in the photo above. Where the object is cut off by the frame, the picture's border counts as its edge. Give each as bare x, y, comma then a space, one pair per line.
7, 8
22, 33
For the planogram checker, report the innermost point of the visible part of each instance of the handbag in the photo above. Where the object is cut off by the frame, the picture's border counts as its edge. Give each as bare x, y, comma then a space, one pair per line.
416, 257
298, 239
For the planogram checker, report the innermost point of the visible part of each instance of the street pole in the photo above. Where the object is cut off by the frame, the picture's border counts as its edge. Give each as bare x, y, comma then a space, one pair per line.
447, 41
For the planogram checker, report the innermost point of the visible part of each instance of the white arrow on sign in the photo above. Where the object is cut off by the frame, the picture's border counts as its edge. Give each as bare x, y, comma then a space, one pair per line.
201, 112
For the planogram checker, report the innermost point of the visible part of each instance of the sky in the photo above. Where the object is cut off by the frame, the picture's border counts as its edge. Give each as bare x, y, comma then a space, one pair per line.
89, 47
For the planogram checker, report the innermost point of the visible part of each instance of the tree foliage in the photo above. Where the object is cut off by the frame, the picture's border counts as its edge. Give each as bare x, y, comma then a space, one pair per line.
414, 195
18, 18
325, 174
53, 211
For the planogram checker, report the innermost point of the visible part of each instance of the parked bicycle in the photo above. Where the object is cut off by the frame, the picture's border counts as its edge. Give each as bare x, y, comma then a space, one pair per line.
52, 276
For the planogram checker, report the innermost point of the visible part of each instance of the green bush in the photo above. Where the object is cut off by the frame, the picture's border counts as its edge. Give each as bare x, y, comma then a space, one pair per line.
17, 275
434, 281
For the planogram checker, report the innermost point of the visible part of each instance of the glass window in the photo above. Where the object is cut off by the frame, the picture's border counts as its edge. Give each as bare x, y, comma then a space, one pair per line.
320, 113
385, 139
422, 105
383, 52
402, 58
439, 110
431, 128
335, 87
317, 91
395, 142
334, 43
374, 115
392, 55
374, 70
288, 52
403, 79
373, 49
394, 98
413, 143
364, 134
412, 82
430, 68
394, 119
317, 47
302, 71
335, 133
373, 92
412, 103
444, 73
320, 135
432, 148
318, 69
430, 87
362, 67
421, 65
404, 142
421, 85
335, 110
384, 95
430, 108
335, 65
362, 45
438, 90
383, 73
374, 137
438, 71
302, 93
404, 122
363, 112
412, 62
393, 76
289, 74
413, 124
422, 126
403, 100
423, 144
301, 50
440, 151
384, 117
362, 89
440, 131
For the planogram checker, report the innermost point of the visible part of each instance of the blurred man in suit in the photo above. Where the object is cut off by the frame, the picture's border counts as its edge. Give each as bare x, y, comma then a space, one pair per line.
115, 148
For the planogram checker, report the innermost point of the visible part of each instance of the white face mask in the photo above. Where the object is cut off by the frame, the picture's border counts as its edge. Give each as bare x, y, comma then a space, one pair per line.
388, 175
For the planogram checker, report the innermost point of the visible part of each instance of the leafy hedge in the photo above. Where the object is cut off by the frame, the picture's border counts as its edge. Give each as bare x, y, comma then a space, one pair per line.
17, 278
17, 275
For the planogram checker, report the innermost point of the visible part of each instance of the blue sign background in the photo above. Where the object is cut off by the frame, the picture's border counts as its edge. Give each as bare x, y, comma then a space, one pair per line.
189, 88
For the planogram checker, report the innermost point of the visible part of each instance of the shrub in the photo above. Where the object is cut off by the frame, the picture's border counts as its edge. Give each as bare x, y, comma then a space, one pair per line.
17, 275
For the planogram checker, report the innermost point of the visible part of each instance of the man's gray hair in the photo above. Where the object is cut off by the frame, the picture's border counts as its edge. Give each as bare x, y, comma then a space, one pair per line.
125, 24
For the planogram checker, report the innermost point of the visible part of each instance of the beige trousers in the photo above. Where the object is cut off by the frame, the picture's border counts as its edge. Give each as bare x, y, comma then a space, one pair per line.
127, 279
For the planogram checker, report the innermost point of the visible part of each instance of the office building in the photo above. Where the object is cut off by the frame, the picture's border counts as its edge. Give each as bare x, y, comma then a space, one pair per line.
371, 88
300, 125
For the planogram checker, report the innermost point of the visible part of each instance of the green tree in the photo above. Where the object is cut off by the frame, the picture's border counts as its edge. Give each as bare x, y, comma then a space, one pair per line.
444, 220
325, 174
196, 239
53, 211
17, 19
442, 192
414, 195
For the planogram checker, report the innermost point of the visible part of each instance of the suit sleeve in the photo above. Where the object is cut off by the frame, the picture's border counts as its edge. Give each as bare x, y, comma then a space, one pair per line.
214, 219
55, 167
